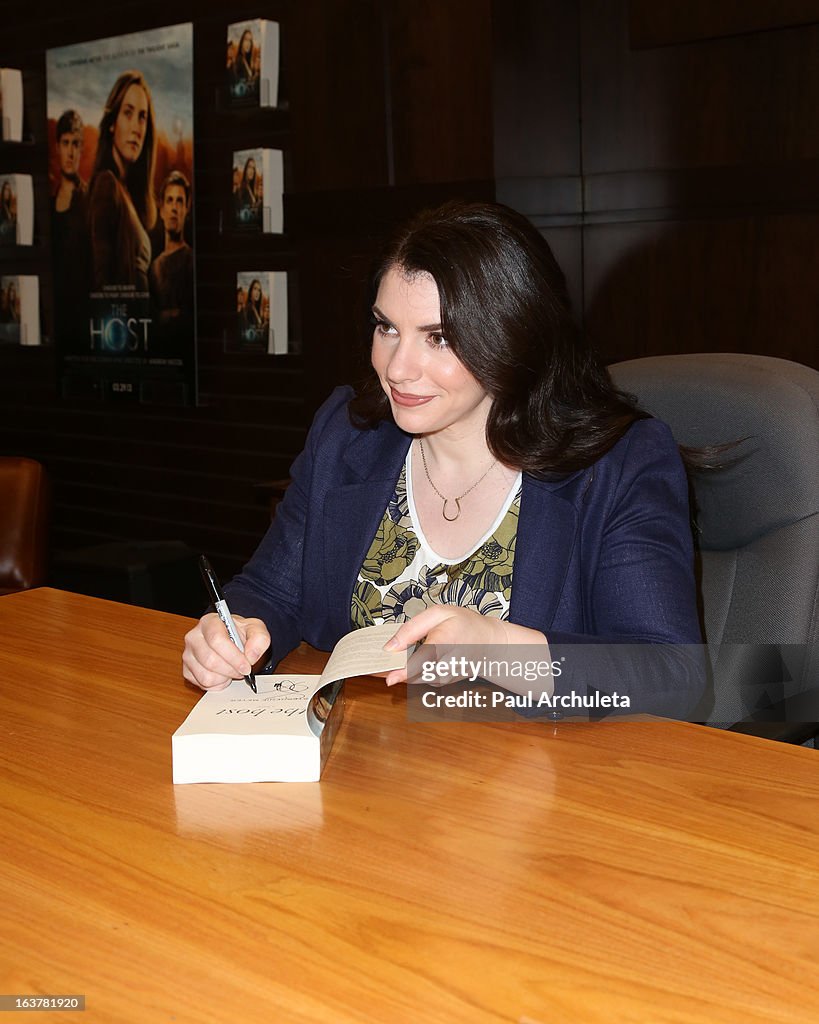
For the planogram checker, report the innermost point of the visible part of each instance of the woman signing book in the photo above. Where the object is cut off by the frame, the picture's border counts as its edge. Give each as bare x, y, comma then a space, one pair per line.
486, 486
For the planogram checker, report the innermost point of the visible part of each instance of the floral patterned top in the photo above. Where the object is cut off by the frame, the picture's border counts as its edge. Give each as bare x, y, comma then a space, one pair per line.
402, 575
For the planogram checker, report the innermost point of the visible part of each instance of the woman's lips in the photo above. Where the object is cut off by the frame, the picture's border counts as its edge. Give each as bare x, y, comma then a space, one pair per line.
409, 401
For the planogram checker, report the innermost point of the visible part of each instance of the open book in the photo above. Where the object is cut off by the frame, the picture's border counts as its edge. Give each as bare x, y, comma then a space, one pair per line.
284, 732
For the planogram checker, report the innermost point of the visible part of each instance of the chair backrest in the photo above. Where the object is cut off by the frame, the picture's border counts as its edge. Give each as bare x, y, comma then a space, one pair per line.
24, 516
757, 517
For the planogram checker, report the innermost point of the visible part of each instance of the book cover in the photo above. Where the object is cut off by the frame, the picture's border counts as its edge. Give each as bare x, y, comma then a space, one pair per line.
258, 186
20, 309
120, 118
284, 732
253, 63
16, 209
11, 105
261, 312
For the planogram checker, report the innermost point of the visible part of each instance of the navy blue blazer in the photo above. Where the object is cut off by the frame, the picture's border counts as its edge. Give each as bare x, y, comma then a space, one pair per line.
603, 556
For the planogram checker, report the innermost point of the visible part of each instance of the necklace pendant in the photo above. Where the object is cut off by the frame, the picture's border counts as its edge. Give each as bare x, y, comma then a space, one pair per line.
448, 501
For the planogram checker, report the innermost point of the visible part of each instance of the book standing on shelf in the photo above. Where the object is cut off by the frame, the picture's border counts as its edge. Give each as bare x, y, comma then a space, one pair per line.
261, 312
11, 105
16, 209
20, 309
284, 732
258, 184
253, 63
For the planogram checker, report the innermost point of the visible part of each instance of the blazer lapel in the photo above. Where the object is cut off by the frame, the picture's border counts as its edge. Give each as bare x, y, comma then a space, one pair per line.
547, 534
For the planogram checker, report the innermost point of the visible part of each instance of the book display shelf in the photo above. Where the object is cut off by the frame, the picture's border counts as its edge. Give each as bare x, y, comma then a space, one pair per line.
253, 122
20, 239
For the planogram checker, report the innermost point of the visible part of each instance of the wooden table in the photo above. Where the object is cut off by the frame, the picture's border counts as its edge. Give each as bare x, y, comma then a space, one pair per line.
640, 872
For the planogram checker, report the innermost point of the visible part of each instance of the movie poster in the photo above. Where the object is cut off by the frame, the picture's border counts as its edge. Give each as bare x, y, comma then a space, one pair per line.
120, 120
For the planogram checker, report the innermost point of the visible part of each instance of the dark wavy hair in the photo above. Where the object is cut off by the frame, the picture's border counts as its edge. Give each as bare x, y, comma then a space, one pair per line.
506, 314
140, 176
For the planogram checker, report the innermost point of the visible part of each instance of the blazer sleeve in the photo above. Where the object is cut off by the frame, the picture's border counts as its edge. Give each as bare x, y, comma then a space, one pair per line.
271, 584
644, 639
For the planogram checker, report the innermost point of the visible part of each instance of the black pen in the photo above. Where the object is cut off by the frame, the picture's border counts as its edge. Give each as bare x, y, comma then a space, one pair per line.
218, 601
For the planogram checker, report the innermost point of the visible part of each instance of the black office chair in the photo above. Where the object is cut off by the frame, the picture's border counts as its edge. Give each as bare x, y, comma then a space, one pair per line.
757, 528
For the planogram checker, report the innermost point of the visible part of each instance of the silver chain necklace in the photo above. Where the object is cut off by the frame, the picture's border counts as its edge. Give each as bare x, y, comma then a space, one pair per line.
445, 500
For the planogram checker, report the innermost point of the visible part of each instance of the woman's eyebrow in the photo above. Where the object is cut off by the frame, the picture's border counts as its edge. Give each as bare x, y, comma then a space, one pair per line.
377, 312
429, 328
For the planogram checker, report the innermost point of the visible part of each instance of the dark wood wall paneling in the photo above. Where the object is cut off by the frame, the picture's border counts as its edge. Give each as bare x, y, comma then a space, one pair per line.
670, 154
374, 94
536, 109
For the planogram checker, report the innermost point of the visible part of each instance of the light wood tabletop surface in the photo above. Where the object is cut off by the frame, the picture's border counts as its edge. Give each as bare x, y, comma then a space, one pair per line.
539, 874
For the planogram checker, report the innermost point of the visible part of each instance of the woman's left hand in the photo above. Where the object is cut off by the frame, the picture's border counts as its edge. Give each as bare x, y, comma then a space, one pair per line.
446, 625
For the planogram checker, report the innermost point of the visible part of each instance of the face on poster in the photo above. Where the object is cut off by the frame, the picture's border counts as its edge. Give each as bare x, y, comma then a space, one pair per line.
120, 118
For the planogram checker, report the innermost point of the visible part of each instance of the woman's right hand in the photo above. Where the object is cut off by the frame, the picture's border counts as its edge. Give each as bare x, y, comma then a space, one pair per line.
211, 659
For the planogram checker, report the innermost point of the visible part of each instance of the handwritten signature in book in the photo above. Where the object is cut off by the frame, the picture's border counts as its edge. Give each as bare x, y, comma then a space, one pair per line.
289, 686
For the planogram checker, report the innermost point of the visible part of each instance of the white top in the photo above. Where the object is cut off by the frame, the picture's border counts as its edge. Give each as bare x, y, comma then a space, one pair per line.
402, 573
